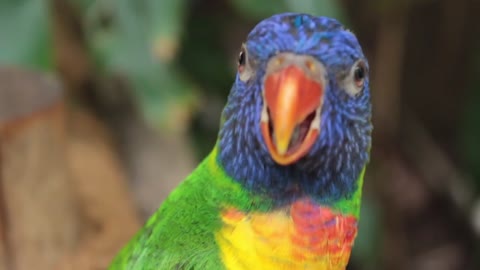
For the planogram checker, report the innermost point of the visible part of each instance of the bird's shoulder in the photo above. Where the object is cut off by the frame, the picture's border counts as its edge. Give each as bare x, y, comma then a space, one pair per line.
181, 233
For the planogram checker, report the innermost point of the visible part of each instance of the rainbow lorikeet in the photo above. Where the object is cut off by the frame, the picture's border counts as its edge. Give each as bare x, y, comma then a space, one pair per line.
282, 187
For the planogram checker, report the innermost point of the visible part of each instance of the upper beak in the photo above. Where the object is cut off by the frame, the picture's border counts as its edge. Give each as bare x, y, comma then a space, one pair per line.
291, 97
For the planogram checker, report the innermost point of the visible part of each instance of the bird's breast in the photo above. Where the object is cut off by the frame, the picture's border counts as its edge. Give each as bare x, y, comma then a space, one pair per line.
303, 235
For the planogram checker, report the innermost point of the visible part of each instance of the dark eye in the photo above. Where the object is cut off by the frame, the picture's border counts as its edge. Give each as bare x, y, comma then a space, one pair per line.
359, 74
353, 84
241, 60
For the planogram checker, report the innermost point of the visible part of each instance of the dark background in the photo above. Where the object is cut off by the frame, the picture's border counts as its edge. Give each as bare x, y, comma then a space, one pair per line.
106, 105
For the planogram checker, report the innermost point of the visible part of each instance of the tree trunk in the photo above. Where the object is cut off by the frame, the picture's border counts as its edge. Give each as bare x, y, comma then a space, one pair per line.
37, 207
109, 216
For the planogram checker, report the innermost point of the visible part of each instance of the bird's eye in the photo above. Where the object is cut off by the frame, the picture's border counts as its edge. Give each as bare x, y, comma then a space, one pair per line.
242, 60
355, 81
244, 65
359, 75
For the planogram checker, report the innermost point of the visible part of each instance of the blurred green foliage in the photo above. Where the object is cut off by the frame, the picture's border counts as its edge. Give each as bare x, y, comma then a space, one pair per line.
471, 124
26, 36
368, 243
140, 40
261, 9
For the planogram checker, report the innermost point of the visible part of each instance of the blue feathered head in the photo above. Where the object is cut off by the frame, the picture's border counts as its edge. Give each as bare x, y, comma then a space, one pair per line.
297, 120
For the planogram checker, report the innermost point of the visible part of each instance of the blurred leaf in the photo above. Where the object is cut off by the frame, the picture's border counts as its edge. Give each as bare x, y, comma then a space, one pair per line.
259, 9
167, 26
207, 60
367, 245
330, 8
167, 98
262, 9
139, 39
471, 130
26, 36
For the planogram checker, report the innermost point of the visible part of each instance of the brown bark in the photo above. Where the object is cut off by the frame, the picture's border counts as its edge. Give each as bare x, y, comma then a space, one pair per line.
64, 201
108, 215
38, 213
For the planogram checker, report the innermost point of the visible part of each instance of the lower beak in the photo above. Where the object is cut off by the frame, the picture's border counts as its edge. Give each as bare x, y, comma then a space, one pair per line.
292, 100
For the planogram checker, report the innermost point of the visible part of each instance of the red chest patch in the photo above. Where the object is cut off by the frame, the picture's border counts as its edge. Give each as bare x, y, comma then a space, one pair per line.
321, 231
302, 236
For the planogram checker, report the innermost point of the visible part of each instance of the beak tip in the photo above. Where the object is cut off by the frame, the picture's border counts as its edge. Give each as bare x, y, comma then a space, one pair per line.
282, 147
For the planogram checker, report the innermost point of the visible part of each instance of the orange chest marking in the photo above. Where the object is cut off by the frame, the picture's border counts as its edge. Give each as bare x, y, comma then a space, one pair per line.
301, 236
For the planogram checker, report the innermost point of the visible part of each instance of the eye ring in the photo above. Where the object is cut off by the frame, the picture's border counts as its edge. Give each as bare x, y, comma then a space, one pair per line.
359, 74
245, 65
242, 60
354, 82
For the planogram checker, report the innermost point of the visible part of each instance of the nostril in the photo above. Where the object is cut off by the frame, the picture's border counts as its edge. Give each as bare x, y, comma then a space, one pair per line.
280, 61
310, 65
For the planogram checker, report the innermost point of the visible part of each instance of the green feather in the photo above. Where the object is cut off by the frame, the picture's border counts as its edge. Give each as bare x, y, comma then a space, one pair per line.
351, 206
193, 207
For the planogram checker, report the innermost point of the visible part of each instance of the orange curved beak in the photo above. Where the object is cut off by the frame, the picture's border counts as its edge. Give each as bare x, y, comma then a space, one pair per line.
290, 97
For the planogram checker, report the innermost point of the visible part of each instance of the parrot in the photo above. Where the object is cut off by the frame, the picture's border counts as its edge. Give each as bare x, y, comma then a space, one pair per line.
282, 186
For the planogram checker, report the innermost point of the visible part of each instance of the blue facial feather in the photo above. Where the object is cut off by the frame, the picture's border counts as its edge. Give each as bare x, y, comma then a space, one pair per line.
330, 169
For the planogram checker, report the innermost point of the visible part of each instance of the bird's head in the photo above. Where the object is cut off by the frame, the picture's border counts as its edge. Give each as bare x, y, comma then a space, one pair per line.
297, 119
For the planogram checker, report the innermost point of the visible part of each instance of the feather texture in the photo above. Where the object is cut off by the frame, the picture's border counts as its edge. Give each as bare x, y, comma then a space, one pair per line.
302, 236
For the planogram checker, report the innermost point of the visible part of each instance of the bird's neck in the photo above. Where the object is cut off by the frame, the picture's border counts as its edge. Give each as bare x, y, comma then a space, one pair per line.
298, 234
283, 186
